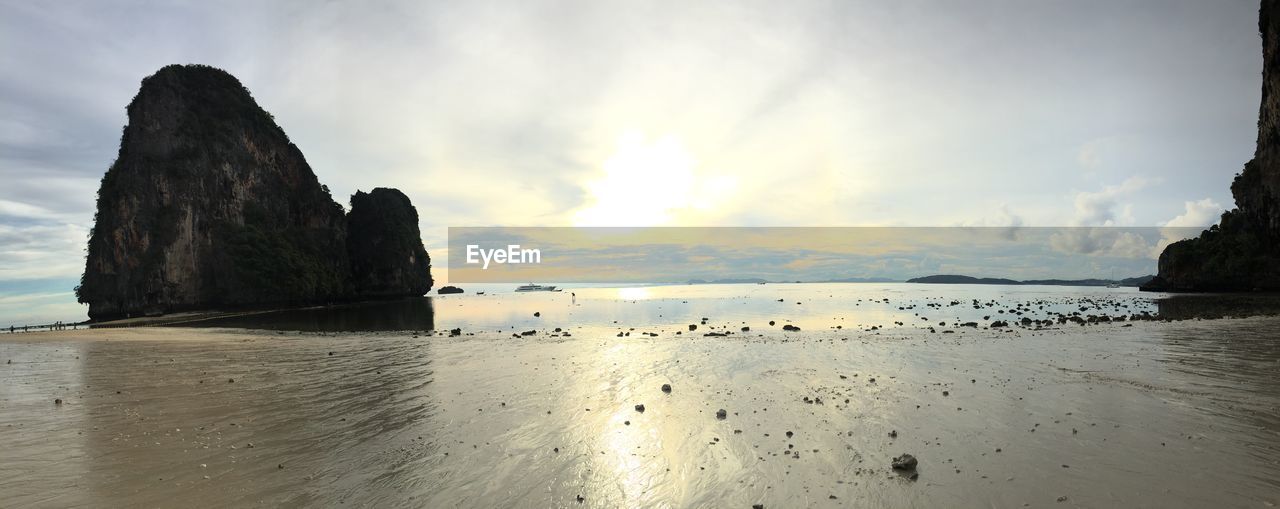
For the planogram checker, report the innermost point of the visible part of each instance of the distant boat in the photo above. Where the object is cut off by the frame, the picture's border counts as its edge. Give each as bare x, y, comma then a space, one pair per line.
535, 288
1113, 285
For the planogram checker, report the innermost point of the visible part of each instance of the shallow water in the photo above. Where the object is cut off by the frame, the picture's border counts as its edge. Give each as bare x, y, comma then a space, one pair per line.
810, 306
1156, 414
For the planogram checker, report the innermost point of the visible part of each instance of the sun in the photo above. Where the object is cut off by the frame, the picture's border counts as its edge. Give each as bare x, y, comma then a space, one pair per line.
643, 182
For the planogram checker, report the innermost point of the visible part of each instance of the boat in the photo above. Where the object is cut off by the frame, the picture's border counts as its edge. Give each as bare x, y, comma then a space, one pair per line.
535, 288
1113, 285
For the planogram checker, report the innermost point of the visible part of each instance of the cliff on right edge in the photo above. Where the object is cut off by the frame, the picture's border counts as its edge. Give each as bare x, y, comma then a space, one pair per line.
1241, 252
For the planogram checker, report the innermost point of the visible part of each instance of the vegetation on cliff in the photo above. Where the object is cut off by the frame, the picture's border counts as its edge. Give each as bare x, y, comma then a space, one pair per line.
385, 245
1241, 252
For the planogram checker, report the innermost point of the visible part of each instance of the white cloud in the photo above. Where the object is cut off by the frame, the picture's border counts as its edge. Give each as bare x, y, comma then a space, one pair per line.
1200, 213
1099, 208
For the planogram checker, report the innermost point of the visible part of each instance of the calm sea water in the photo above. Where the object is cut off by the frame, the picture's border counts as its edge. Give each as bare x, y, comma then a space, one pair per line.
810, 306
1145, 414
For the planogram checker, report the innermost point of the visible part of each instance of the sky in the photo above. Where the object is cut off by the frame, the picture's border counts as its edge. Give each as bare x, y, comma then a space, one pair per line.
600, 113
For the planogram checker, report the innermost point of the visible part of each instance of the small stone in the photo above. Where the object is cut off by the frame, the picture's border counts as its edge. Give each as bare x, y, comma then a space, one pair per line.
57, 401
280, 466
231, 380
893, 434
640, 408
537, 313
721, 414
666, 388
904, 462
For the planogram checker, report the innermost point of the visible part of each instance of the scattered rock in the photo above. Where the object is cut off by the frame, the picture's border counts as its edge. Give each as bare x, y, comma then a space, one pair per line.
57, 401
640, 408
904, 462
666, 388
721, 414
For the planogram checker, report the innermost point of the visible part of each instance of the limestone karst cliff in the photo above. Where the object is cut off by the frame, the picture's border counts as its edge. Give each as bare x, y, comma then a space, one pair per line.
385, 246
1242, 252
209, 205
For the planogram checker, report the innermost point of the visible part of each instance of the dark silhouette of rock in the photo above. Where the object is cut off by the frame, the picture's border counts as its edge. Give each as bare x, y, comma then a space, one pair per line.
1241, 252
209, 205
385, 246
446, 290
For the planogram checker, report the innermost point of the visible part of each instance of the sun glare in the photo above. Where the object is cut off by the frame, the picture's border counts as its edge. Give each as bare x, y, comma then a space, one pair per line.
644, 182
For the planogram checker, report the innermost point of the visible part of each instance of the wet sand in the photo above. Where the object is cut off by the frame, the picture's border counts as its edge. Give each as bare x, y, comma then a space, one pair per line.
1146, 414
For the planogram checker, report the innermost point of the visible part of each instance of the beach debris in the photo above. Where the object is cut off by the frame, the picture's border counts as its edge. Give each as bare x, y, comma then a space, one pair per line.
57, 401
580, 499
537, 314
231, 380
904, 462
640, 408
946, 393
666, 388
893, 434
789, 327
771, 322
757, 506
721, 414
693, 327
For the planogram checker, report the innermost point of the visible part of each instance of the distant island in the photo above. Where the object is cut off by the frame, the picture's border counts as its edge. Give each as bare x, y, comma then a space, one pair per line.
210, 206
760, 281
951, 279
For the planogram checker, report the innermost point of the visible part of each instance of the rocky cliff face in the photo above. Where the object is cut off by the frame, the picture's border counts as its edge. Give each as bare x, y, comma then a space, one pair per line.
209, 205
1242, 252
385, 246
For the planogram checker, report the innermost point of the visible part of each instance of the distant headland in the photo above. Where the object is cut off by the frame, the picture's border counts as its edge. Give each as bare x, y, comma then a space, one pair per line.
209, 205
969, 280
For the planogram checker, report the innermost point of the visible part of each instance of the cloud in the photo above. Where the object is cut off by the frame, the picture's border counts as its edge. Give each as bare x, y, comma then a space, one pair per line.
1200, 213
1099, 208
1105, 242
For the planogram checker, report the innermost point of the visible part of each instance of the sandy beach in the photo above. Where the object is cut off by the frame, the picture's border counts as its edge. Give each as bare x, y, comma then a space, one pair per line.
1148, 414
